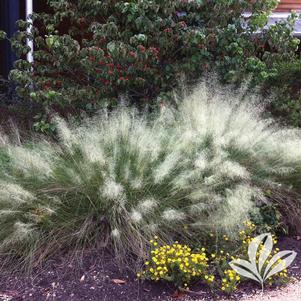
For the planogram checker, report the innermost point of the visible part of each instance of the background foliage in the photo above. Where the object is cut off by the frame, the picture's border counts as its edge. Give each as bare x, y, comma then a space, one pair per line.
285, 85
94, 54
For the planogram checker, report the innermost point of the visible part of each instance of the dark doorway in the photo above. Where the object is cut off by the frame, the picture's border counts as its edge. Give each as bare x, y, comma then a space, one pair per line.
10, 12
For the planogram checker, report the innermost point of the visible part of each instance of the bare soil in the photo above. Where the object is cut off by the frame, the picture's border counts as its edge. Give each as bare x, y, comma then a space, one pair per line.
99, 279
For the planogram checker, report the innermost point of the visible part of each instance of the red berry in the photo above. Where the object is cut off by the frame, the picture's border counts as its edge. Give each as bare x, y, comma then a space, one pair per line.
141, 48
132, 54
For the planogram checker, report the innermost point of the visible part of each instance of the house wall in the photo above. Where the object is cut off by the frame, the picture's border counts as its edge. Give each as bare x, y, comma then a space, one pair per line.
289, 5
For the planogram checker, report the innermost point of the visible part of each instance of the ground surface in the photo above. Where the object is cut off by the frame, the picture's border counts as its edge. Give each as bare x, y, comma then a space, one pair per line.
98, 280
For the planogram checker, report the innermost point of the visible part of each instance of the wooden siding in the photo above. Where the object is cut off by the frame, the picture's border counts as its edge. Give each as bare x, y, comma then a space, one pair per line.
289, 5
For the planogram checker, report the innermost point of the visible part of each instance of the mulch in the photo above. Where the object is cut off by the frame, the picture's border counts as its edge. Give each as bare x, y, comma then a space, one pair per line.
100, 279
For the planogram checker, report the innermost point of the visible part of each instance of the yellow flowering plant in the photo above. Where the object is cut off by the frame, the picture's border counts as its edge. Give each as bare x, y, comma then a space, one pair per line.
177, 263
181, 265
246, 237
227, 279
230, 280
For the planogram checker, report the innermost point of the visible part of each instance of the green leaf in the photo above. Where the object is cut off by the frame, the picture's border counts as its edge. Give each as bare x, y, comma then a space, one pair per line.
49, 41
111, 47
2, 35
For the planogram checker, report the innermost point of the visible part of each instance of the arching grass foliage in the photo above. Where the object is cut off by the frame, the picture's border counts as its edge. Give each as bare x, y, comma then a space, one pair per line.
120, 179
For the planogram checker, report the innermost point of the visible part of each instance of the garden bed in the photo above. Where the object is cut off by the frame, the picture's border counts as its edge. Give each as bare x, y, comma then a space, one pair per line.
174, 184
98, 277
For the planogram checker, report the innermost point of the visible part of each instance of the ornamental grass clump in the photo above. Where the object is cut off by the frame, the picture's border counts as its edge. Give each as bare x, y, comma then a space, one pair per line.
121, 178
